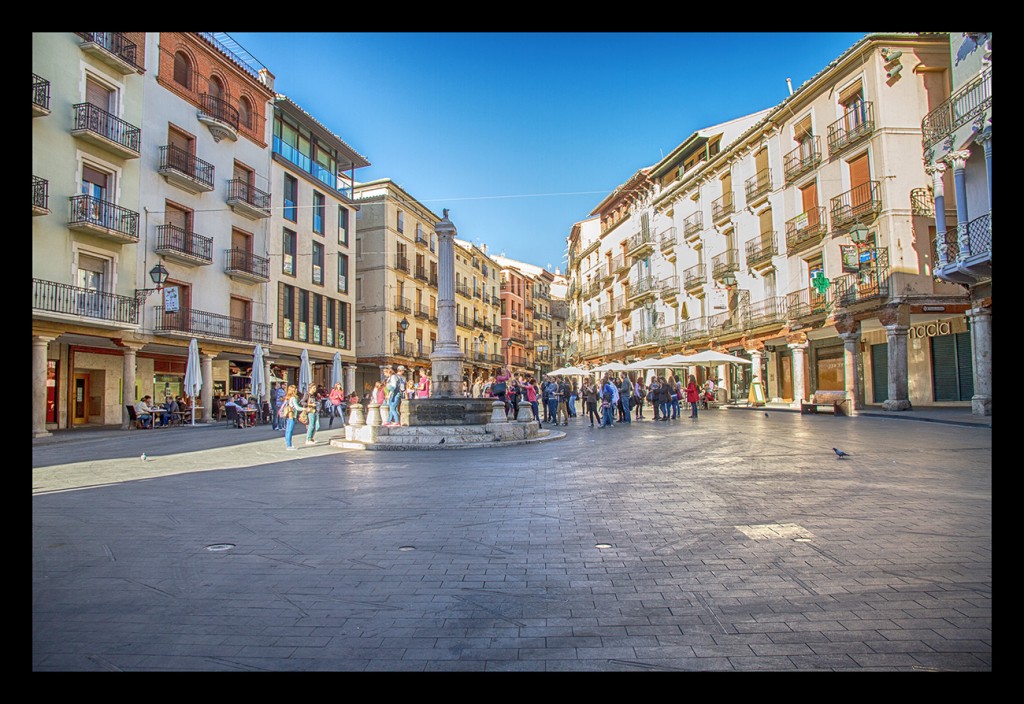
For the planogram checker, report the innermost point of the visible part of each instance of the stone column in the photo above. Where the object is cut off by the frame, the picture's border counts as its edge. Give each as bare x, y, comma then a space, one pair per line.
981, 341
350, 379
899, 394
849, 331
128, 364
985, 139
799, 373
40, 344
939, 190
356, 419
958, 160
206, 393
446, 360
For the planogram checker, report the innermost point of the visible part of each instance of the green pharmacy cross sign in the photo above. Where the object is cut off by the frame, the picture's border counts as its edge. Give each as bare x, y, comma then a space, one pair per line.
820, 283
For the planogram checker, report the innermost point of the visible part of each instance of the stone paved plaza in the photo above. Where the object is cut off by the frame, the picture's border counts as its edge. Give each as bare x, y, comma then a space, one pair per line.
737, 542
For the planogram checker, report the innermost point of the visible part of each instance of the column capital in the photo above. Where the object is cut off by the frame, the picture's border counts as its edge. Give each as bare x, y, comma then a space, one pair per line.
798, 346
983, 136
894, 315
957, 159
847, 325
898, 329
43, 339
936, 170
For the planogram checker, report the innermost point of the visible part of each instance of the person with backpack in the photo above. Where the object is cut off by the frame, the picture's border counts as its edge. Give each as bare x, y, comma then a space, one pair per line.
589, 393
395, 388
625, 396
607, 403
288, 412
562, 394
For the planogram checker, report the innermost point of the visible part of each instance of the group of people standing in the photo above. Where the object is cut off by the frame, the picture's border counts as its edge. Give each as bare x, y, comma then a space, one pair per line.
290, 408
620, 398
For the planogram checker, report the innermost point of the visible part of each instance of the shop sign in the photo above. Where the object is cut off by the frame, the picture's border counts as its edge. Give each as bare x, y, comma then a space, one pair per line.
938, 327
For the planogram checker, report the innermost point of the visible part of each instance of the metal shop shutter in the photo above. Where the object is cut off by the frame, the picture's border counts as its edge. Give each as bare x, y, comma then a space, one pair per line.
880, 372
952, 377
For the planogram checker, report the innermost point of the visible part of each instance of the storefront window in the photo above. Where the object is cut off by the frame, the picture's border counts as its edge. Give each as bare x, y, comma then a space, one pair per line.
830, 369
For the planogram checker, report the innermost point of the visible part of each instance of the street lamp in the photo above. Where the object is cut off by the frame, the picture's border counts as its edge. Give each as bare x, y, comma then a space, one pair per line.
508, 353
159, 276
403, 325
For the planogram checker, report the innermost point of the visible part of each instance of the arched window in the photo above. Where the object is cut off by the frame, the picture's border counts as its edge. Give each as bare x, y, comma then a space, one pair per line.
216, 88
182, 69
244, 113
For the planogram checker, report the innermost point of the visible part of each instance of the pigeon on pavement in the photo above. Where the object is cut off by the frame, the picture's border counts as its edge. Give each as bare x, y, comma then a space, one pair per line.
143, 458
442, 442
839, 453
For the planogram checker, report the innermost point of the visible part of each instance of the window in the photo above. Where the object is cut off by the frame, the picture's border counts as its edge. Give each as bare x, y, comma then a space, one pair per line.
99, 95
433, 241
291, 197
318, 316
286, 312
419, 233
318, 263
244, 113
92, 272
288, 245
182, 70
342, 273
854, 107
343, 225
401, 221
329, 323
343, 318
318, 213
95, 183
216, 88
303, 315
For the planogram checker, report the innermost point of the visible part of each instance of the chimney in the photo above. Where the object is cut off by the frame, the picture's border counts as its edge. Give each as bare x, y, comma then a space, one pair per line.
789, 82
267, 78
483, 247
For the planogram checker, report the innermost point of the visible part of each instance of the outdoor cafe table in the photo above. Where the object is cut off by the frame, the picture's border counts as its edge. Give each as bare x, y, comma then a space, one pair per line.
250, 416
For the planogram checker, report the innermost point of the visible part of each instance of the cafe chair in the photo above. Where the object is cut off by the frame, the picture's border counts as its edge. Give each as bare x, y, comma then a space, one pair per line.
231, 416
133, 419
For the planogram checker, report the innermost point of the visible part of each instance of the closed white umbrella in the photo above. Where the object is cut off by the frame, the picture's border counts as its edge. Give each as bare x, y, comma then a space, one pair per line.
258, 380
193, 375
305, 373
336, 371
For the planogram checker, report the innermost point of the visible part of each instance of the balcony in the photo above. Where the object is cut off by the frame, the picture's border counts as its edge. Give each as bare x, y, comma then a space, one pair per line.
219, 116
477, 293
758, 187
725, 265
619, 306
856, 123
247, 200
304, 163
694, 277
667, 242
463, 290
98, 217
40, 96
403, 305
463, 322
805, 230
421, 240
640, 244
519, 361
541, 315
184, 247
803, 159
693, 330
421, 273
422, 311
54, 297
968, 247
113, 49
101, 129
542, 293
723, 207
961, 108
861, 204
593, 289
185, 170
618, 265
806, 305
605, 310
204, 325
403, 349
766, 313
669, 288
643, 287
40, 196
432, 281
693, 225
760, 250
922, 202
242, 265
528, 325
870, 284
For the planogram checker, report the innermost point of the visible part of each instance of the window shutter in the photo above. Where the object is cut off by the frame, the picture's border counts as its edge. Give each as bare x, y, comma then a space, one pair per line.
965, 365
945, 386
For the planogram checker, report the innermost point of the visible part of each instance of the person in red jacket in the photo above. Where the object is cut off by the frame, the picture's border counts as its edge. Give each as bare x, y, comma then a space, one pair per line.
692, 395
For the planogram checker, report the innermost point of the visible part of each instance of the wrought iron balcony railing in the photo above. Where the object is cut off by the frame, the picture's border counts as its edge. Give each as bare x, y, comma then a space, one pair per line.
693, 329
642, 286
171, 239
978, 236
422, 311
400, 349
421, 273
870, 283
617, 264
860, 204
758, 185
177, 160
722, 206
243, 262
40, 96
669, 287
922, 202
668, 239
807, 303
693, 225
970, 101
432, 279
218, 109
725, 263
91, 120
202, 324
40, 195
242, 193
463, 290
403, 305
805, 229
760, 250
92, 213
694, 277
402, 263
855, 124
55, 297
639, 242
803, 159
770, 311
122, 49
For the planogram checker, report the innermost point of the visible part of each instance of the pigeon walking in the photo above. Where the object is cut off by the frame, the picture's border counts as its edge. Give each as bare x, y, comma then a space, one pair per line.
839, 453
442, 441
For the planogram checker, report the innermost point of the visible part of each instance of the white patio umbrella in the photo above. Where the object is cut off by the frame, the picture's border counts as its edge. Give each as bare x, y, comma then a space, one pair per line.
337, 372
610, 367
569, 371
712, 357
258, 380
642, 364
193, 375
675, 360
305, 373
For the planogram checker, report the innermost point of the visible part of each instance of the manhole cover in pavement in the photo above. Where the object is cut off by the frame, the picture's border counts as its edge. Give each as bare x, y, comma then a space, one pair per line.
219, 547
406, 548
775, 531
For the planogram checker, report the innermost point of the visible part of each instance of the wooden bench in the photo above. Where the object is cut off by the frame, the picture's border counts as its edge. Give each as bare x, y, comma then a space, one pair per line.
833, 402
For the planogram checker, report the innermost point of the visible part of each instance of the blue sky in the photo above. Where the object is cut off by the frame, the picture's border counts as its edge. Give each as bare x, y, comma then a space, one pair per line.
520, 135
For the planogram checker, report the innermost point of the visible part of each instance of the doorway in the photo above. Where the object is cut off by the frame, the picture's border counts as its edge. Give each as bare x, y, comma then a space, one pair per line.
786, 378
80, 400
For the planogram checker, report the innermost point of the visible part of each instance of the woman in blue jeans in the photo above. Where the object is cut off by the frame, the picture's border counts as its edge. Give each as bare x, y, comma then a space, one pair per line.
292, 409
